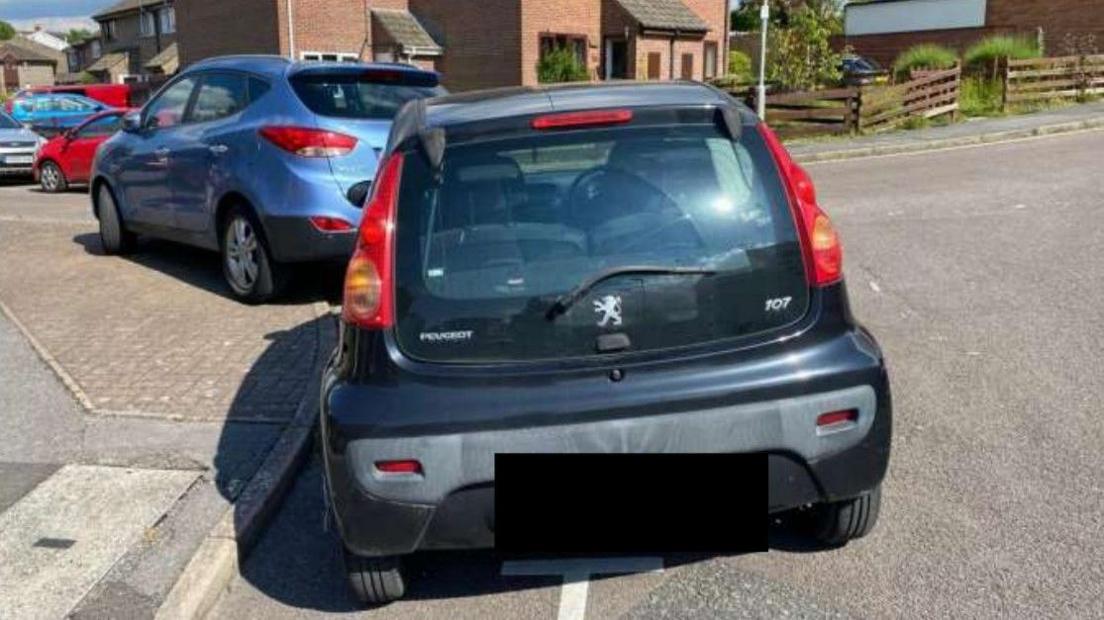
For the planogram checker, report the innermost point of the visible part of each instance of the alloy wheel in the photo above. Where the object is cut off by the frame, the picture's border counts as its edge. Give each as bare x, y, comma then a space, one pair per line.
51, 177
241, 254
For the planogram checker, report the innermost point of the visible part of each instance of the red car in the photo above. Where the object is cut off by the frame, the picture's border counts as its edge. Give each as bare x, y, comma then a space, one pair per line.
114, 95
67, 158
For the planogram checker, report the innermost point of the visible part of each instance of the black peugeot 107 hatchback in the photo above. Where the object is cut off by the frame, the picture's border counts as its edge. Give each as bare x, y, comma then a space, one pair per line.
613, 268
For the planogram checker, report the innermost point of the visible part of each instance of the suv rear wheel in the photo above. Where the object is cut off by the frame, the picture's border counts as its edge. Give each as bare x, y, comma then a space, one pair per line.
837, 523
375, 581
247, 263
114, 237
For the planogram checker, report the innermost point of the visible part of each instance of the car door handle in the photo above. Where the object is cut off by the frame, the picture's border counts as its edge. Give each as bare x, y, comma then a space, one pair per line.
218, 149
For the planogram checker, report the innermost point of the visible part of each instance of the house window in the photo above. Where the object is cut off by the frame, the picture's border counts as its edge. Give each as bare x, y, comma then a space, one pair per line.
109, 30
653, 65
146, 26
95, 50
575, 42
330, 56
709, 67
687, 72
167, 17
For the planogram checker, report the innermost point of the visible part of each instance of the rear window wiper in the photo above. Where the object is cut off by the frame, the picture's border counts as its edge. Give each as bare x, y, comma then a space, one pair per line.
568, 299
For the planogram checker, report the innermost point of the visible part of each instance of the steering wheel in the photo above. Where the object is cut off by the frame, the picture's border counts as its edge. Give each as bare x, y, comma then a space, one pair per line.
629, 180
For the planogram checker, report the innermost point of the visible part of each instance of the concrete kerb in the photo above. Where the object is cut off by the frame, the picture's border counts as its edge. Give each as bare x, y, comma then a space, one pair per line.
944, 143
216, 561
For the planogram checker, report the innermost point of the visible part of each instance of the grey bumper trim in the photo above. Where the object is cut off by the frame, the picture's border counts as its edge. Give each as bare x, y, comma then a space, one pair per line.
453, 461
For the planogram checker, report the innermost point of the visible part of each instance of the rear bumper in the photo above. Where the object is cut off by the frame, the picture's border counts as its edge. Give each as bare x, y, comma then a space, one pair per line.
296, 240
452, 504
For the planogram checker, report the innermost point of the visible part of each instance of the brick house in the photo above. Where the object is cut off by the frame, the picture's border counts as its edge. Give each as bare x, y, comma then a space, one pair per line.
132, 34
26, 63
882, 29
473, 43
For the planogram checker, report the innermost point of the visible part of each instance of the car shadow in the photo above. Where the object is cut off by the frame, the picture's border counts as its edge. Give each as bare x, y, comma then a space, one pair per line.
203, 269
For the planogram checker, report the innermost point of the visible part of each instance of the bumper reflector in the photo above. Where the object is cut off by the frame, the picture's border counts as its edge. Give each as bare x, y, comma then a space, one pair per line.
837, 418
407, 466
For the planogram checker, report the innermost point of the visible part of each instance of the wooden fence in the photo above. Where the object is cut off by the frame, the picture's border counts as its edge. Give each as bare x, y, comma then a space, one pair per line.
820, 112
860, 109
1063, 77
928, 96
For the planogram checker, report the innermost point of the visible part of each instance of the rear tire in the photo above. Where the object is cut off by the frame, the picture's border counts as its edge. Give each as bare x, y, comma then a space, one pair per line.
837, 523
114, 237
52, 178
247, 263
375, 581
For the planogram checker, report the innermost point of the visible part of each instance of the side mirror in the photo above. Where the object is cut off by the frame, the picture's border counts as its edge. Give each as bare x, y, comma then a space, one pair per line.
132, 122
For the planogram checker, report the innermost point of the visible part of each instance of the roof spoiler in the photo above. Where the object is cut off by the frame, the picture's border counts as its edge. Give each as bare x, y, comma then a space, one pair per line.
730, 121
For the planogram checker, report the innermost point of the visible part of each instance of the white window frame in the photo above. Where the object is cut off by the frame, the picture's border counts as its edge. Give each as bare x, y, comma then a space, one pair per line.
167, 17
147, 24
315, 56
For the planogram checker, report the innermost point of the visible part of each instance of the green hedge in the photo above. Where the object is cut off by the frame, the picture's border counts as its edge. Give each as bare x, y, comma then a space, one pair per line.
923, 56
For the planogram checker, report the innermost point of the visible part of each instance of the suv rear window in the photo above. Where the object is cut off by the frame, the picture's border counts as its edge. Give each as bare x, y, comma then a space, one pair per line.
512, 225
368, 95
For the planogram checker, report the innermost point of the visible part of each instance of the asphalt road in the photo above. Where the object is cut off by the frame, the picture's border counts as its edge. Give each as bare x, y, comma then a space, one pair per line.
979, 270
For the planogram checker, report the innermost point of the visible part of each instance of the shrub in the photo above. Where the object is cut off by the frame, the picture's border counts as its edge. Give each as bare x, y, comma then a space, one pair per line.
980, 96
987, 53
800, 56
924, 56
739, 67
561, 65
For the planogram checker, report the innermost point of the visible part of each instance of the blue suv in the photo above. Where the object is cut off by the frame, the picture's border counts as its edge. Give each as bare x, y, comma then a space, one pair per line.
265, 160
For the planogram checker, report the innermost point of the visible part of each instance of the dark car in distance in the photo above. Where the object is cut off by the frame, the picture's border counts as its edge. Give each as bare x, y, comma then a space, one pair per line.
631, 268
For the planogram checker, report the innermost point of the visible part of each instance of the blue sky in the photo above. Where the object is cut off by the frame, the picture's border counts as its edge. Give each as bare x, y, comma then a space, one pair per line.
24, 9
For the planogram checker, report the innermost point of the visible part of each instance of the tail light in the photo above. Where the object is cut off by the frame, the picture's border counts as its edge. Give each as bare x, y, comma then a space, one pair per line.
823, 252
369, 280
309, 142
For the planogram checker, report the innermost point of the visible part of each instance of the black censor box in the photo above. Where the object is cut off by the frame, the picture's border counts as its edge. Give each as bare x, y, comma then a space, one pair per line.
630, 503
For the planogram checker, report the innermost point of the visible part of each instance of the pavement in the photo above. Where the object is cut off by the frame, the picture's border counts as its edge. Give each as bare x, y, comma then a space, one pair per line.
972, 131
138, 403
977, 269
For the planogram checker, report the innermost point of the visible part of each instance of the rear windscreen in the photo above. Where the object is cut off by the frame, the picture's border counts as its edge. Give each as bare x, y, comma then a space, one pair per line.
487, 247
350, 95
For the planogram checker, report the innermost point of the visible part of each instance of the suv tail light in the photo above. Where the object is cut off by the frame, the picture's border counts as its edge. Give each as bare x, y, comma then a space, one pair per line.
369, 280
821, 244
309, 142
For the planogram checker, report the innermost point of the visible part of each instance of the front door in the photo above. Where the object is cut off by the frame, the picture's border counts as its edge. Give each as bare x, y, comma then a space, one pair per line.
144, 176
616, 63
81, 148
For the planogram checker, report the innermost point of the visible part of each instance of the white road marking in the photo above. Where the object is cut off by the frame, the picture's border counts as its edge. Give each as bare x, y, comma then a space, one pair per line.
874, 287
576, 574
104, 510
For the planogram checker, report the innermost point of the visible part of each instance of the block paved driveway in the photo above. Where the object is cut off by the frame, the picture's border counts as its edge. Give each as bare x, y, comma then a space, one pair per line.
152, 334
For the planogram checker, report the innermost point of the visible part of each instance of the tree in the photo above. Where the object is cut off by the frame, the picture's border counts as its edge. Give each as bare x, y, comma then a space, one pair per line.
561, 65
77, 35
800, 56
7, 31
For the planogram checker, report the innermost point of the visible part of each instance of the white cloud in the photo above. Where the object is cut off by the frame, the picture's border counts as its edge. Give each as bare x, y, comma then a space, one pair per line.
56, 24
